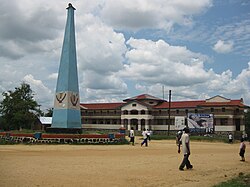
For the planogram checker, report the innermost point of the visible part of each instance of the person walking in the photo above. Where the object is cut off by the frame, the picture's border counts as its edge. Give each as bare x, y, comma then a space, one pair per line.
145, 138
132, 136
230, 138
185, 149
148, 135
242, 150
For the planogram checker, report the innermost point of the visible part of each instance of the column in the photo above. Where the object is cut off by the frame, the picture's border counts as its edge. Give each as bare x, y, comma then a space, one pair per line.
146, 124
139, 124
129, 126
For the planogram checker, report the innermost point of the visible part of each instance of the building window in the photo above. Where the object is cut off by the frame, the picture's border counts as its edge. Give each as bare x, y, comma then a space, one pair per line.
134, 112
186, 111
177, 111
212, 109
151, 102
223, 110
196, 111
237, 111
143, 122
125, 112
143, 112
134, 105
223, 121
125, 121
159, 121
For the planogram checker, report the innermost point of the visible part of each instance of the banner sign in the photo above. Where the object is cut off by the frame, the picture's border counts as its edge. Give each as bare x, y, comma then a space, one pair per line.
179, 122
200, 122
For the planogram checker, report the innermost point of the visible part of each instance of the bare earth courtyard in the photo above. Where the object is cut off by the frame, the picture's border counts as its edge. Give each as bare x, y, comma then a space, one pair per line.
119, 165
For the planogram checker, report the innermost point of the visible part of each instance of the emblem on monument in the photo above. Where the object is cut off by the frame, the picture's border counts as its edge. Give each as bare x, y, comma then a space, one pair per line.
60, 97
74, 99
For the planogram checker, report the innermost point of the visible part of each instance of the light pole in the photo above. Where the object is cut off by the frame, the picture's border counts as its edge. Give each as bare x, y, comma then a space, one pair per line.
169, 106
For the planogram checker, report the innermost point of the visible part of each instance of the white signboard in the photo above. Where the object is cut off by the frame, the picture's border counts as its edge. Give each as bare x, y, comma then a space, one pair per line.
179, 122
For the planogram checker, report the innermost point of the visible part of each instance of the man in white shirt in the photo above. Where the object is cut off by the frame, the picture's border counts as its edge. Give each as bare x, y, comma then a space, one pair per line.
132, 135
230, 138
148, 135
185, 149
145, 138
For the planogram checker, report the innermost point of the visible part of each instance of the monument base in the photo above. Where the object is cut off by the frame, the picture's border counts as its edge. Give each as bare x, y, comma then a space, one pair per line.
64, 130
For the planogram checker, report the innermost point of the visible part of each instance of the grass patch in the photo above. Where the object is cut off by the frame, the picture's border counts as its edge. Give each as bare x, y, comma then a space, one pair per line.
241, 181
6, 142
209, 139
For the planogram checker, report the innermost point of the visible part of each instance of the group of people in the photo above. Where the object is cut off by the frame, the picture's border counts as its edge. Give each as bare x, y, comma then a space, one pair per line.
146, 134
182, 139
244, 137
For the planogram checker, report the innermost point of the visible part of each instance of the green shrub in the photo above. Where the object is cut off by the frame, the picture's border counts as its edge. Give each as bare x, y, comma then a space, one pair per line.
240, 181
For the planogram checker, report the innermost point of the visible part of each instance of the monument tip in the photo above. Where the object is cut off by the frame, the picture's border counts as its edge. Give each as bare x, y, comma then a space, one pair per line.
70, 6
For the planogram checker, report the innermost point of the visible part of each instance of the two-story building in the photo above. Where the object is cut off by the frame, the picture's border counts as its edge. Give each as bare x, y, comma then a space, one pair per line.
146, 111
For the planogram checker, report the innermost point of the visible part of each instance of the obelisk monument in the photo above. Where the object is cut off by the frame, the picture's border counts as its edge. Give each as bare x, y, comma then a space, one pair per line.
66, 112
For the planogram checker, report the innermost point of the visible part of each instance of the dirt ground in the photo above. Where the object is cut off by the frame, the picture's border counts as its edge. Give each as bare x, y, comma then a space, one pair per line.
119, 165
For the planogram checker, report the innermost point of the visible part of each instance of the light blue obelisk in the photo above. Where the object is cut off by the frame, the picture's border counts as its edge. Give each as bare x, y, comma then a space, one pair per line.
66, 113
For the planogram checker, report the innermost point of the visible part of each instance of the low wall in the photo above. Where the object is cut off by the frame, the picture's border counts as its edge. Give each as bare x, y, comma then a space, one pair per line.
39, 138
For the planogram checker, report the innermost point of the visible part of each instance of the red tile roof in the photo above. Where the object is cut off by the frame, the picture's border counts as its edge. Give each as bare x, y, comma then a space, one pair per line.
101, 105
174, 104
180, 104
143, 97
199, 103
230, 103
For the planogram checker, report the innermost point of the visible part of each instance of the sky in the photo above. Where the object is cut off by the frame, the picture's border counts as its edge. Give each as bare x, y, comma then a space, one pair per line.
195, 48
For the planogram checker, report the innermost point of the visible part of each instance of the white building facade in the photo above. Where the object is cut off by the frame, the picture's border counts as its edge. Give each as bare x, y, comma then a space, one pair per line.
149, 112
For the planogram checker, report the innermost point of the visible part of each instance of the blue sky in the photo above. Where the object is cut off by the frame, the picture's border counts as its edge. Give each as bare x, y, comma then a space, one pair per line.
198, 49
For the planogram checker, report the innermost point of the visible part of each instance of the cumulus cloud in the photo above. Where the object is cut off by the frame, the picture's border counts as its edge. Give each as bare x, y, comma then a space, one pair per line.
99, 81
238, 32
42, 93
135, 15
217, 84
159, 62
223, 46
112, 64
22, 30
101, 54
53, 76
226, 85
100, 48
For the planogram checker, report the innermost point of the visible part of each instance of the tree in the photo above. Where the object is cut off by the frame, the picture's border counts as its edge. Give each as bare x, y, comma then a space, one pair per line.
49, 112
18, 108
247, 121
